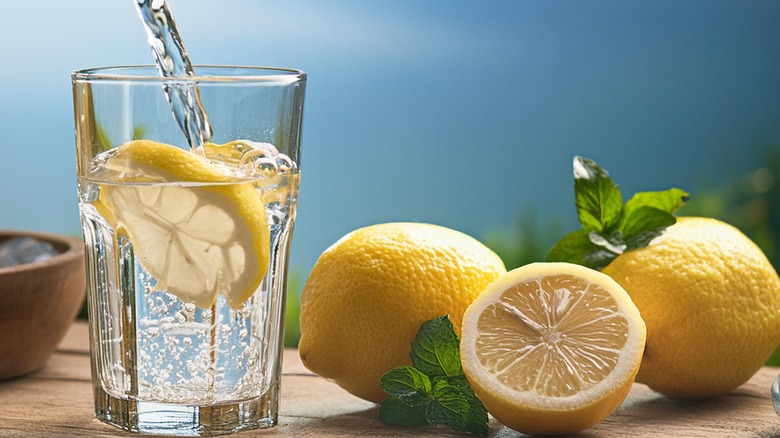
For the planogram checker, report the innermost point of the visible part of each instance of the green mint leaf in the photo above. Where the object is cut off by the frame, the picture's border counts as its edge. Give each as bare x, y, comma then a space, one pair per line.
436, 349
597, 198
644, 224
607, 249
667, 200
406, 384
610, 228
394, 412
572, 248
434, 391
646, 219
612, 243
476, 420
449, 407
586, 248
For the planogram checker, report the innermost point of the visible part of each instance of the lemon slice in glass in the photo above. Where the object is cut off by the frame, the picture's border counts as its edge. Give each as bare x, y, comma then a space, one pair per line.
552, 348
197, 229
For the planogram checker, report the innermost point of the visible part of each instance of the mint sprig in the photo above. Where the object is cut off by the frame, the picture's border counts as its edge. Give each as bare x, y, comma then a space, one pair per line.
434, 391
609, 227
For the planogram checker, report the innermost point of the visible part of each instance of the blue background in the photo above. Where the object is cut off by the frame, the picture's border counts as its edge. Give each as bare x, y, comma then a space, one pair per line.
463, 114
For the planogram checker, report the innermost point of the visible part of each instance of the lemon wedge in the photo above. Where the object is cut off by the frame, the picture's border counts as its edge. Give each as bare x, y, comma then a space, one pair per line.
197, 229
552, 348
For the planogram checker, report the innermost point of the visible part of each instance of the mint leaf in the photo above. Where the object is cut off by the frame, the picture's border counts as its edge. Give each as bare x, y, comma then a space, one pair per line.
613, 243
587, 248
476, 420
646, 219
436, 349
608, 248
449, 406
597, 198
455, 406
610, 228
572, 248
394, 412
407, 384
435, 390
645, 224
668, 201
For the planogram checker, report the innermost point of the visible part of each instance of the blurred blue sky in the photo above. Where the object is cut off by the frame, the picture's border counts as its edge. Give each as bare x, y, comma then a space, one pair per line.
458, 113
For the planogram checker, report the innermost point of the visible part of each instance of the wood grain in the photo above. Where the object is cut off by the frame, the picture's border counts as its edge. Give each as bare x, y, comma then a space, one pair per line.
57, 402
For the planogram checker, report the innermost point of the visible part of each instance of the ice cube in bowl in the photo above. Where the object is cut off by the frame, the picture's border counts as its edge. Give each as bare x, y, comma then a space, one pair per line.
38, 302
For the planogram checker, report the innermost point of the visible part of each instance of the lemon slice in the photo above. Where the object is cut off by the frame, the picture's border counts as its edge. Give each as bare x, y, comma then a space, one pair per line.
196, 240
552, 348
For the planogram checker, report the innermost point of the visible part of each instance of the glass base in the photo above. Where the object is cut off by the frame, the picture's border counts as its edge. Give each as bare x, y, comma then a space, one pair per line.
187, 420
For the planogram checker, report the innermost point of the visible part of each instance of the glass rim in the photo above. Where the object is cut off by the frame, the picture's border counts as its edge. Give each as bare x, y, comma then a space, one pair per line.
133, 73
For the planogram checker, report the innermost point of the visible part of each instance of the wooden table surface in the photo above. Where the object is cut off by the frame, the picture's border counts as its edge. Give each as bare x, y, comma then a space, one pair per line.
57, 402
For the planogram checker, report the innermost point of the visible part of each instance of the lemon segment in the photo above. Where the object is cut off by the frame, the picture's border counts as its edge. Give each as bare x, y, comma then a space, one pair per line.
194, 227
552, 348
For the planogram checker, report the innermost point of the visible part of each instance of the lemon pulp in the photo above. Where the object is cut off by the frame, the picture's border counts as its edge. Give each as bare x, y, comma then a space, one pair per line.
553, 336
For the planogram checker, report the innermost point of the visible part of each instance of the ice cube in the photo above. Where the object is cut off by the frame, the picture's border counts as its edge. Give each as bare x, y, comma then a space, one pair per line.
20, 250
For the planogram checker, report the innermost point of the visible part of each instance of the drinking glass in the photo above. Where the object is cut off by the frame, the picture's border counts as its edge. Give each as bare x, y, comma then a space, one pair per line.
165, 359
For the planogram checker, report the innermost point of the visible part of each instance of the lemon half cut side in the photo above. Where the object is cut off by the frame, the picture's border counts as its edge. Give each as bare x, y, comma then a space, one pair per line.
198, 230
552, 348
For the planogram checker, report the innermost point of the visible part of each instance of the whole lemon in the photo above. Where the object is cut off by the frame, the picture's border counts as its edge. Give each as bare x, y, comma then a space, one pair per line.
370, 291
711, 302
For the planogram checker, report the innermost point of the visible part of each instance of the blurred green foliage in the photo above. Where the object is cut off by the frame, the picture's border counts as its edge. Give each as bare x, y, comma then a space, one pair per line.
292, 328
751, 203
526, 242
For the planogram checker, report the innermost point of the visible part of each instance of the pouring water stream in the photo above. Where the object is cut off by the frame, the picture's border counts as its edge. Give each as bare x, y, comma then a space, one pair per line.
172, 62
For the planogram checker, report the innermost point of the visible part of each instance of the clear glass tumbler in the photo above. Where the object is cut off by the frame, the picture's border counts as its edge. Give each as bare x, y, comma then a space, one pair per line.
187, 248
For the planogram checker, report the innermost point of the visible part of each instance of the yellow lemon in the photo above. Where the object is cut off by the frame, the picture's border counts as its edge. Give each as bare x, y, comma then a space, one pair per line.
711, 301
370, 291
195, 227
552, 348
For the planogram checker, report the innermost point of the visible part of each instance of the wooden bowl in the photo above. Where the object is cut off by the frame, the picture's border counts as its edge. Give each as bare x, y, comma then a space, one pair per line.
38, 302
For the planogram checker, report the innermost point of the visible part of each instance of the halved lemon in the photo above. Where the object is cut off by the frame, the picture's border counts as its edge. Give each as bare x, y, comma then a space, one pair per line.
197, 229
552, 348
